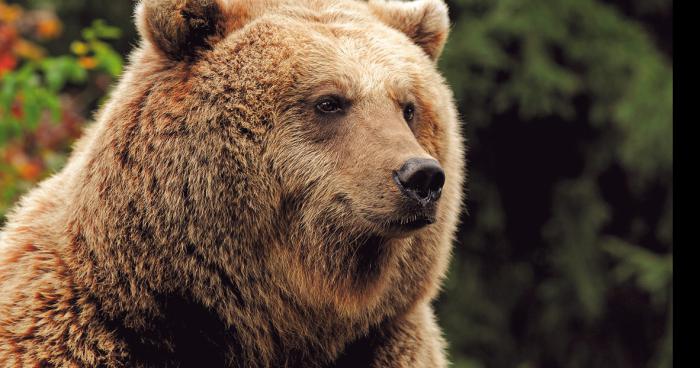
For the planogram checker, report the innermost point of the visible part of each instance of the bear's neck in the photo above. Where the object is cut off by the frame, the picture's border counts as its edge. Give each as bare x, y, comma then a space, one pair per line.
189, 332
168, 297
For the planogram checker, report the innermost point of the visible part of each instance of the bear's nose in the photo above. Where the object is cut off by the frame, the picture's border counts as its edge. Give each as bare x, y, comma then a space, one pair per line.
421, 179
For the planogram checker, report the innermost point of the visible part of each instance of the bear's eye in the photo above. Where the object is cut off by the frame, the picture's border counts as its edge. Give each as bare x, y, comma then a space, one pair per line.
329, 105
408, 112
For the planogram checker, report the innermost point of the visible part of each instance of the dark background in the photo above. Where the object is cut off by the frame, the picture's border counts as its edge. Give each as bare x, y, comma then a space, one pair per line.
565, 252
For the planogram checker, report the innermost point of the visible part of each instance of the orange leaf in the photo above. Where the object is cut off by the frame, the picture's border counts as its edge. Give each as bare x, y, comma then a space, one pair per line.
48, 27
29, 171
87, 62
28, 50
10, 13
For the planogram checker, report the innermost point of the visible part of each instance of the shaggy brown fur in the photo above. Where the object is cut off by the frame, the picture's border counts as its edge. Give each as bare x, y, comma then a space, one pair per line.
212, 217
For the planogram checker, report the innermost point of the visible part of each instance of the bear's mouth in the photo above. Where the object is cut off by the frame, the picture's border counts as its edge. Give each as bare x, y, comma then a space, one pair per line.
411, 223
405, 226
399, 227
404, 222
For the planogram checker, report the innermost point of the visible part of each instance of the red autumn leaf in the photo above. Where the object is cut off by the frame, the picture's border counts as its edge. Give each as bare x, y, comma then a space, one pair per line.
7, 62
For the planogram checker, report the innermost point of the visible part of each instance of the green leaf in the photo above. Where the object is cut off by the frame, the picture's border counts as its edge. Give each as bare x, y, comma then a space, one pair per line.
109, 60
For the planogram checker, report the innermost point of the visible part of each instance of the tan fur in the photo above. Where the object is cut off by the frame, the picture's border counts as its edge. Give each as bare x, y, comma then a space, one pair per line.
210, 217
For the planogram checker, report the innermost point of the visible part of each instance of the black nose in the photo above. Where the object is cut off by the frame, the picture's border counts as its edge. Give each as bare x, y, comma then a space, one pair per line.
421, 179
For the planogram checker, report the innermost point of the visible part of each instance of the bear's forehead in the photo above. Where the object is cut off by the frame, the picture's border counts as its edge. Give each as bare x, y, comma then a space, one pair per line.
340, 45
317, 10
335, 25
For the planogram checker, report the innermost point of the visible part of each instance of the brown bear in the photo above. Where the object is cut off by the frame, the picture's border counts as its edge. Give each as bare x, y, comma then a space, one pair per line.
273, 183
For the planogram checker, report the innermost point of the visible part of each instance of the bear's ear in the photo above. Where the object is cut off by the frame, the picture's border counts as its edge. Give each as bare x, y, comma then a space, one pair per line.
182, 28
424, 21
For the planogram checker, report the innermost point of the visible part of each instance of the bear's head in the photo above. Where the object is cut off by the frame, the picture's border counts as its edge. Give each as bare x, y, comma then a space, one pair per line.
310, 144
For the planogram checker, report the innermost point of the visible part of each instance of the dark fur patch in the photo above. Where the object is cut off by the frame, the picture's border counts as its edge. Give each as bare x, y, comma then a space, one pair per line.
359, 353
369, 258
185, 334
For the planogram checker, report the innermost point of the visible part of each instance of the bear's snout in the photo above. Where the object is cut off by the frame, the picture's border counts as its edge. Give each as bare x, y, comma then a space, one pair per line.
420, 180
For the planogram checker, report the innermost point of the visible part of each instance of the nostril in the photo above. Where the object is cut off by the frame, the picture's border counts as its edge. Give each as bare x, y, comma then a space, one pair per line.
421, 179
437, 181
424, 181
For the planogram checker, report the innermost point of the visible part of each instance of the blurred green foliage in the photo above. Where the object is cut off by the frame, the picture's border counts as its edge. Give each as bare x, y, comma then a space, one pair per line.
44, 99
36, 84
564, 256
